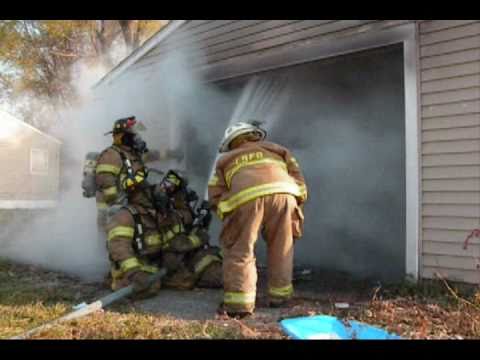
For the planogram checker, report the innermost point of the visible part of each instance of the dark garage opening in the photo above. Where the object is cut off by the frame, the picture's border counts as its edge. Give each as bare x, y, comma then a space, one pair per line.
345, 123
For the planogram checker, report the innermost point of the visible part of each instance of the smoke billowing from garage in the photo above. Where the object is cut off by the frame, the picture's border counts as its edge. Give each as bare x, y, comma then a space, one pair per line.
343, 119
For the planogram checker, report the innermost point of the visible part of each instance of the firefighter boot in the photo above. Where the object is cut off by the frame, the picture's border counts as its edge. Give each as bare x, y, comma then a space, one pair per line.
180, 280
142, 288
212, 277
232, 314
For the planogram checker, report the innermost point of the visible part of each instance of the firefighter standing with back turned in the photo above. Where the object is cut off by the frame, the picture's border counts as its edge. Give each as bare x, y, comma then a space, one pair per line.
257, 187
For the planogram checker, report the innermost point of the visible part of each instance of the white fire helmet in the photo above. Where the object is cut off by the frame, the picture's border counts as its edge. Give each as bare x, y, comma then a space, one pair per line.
238, 129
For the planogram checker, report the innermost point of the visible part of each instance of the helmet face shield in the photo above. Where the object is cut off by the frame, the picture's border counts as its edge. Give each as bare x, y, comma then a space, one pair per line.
139, 126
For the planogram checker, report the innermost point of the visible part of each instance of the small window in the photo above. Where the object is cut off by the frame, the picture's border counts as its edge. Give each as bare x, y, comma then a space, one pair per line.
39, 161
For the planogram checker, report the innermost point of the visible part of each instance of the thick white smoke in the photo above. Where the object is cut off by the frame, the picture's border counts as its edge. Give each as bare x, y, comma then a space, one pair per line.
64, 238
165, 99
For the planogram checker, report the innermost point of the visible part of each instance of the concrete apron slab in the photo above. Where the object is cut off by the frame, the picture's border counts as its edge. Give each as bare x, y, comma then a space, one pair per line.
197, 304
201, 304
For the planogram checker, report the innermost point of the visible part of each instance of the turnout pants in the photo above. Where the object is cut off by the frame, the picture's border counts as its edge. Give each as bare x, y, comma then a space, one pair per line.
273, 215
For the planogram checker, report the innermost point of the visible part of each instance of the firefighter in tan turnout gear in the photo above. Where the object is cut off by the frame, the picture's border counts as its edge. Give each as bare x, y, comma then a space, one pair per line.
257, 187
119, 168
160, 229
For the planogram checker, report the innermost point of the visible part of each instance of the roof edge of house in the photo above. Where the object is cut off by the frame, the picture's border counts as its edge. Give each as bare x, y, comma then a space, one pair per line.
13, 118
129, 60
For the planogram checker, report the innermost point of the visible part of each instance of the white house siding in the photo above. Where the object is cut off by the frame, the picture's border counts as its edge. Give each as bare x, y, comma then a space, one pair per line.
449, 114
449, 61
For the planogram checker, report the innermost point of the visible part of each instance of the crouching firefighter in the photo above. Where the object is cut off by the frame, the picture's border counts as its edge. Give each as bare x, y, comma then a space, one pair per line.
188, 256
257, 187
149, 233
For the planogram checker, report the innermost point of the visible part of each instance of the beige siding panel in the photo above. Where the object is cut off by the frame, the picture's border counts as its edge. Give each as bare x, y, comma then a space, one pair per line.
472, 158
439, 25
268, 38
452, 185
450, 223
259, 30
456, 146
450, 33
451, 71
234, 35
467, 276
208, 26
461, 82
453, 249
207, 36
263, 30
444, 197
464, 133
450, 262
449, 236
451, 46
331, 30
464, 107
450, 122
451, 96
456, 121
452, 210
451, 172
186, 31
190, 25
459, 57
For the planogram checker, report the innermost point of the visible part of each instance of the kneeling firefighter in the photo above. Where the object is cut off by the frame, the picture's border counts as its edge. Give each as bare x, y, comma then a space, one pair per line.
156, 229
257, 187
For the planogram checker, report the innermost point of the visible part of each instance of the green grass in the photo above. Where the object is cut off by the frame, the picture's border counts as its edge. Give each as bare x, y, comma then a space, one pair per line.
30, 297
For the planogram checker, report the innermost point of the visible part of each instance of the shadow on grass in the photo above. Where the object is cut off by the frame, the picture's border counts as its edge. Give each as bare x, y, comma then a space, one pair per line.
23, 285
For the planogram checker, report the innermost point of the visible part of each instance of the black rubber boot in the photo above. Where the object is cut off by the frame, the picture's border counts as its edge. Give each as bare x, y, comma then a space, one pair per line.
232, 314
277, 303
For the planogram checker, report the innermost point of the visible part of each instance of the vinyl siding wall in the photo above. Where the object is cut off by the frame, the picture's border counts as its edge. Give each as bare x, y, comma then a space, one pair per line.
450, 121
449, 100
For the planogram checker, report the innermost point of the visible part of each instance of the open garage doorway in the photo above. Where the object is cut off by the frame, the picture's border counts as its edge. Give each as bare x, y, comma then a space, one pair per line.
344, 120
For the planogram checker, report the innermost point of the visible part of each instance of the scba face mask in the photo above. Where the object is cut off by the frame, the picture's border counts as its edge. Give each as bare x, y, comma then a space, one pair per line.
136, 142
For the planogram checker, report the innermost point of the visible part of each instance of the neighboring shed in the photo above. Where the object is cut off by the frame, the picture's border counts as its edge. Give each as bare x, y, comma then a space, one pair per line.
397, 105
30, 166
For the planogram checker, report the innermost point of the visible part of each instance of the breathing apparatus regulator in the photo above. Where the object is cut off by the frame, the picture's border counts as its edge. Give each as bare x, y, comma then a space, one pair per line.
172, 183
162, 193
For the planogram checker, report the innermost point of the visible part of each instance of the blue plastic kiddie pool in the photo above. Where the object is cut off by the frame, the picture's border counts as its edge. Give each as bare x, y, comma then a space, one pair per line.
329, 327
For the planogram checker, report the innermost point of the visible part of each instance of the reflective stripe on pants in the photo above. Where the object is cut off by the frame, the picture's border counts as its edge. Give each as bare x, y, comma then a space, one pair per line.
239, 298
205, 262
121, 231
129, 264
285, 292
